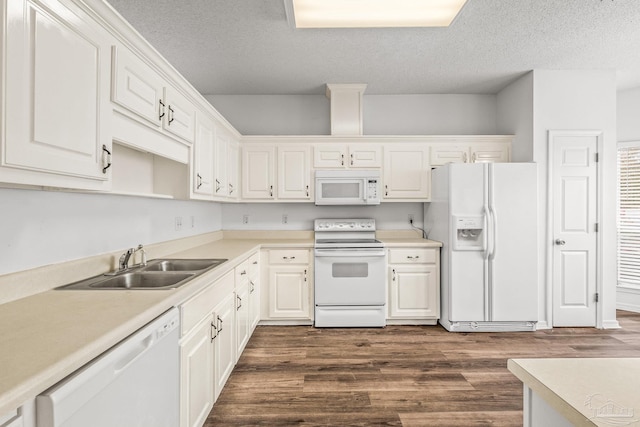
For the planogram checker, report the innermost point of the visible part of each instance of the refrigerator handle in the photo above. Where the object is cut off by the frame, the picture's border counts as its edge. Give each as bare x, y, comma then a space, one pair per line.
487, 232
494, 224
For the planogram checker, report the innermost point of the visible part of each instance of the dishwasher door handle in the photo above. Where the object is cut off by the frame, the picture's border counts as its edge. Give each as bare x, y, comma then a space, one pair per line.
133, 354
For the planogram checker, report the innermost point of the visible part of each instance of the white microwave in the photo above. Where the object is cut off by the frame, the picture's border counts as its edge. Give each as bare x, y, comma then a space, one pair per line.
347, 187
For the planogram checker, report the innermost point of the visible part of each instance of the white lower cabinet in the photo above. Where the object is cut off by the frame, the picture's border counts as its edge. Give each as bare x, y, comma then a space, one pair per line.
414, 285
254, 291
24, 416
289, 285
196, 373
216, 327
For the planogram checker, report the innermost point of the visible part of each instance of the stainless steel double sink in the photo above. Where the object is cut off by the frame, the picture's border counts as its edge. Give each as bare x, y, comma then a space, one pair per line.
157, 274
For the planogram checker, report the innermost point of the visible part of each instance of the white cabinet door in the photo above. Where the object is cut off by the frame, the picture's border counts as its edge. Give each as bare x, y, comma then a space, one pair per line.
294, 173
56, 107
289, 292
329, 156
489, 153
196, 377
232, 169
224, 342
258, 172
242, 318
450, 153
413, 291
220, 187
339, 156
203, 156
254, 290
137, 87
365, 156
180, 113
407, 172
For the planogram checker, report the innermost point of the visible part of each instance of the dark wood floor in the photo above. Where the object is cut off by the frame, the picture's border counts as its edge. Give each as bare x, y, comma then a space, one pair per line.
399, 375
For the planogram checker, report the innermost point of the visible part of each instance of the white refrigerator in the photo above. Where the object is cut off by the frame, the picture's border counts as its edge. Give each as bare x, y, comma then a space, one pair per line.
485, 214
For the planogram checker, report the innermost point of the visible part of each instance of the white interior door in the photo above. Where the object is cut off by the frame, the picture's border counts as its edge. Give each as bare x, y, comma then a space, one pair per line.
574, 239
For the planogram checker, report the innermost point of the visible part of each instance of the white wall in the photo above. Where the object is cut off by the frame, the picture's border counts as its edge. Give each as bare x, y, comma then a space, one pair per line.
579, 100
388, 216
515, 116
629, 115
382, 114
45, 227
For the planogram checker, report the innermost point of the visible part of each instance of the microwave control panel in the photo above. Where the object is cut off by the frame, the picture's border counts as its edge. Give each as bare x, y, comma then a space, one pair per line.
372, 190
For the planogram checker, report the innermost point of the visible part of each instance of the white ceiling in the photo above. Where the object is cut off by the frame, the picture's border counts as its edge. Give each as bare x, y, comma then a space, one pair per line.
235, 47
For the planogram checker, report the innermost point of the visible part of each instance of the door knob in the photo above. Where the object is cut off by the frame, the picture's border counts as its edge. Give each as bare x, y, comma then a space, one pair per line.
560, 242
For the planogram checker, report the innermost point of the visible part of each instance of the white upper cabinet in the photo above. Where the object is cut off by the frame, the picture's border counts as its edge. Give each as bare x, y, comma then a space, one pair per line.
56, 101
142, 91
294, 172
339, 156
482, 150
221, 159
407, 172
233, 167
202, 163
258, 172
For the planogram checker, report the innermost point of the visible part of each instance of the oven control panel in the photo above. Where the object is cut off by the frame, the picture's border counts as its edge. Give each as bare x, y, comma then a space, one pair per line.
367, 224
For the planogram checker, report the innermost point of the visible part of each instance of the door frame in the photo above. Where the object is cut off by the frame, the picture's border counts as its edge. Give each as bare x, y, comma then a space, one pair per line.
552, 134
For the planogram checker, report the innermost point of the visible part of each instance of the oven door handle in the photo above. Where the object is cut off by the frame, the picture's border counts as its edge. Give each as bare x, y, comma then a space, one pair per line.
350, 253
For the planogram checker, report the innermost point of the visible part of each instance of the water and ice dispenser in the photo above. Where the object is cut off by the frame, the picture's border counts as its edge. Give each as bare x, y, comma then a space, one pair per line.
468, 233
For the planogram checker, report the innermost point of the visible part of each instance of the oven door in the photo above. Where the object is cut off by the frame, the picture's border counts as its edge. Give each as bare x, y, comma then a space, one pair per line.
350, 276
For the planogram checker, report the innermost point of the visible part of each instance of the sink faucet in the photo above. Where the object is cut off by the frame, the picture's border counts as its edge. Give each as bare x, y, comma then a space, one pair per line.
124, 259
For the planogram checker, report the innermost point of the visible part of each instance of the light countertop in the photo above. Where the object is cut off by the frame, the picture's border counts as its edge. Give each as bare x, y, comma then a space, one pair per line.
49, 335
587, 392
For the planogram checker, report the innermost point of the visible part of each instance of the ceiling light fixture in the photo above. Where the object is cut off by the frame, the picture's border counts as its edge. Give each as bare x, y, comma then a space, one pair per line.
371, 13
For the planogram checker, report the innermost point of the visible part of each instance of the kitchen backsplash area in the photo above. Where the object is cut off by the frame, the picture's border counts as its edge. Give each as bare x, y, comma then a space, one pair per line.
300, 216
46, 227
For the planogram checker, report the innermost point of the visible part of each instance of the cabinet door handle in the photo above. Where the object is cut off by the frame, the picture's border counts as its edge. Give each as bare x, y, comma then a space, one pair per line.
288, 257
393, 278
307, 191
239, 303
252, 286
271, 190
243, 272
214, 331
473, 158
230, 188
106, 159
386, 190
199, 181
341, 159
305, 275
464, 157
255, 263
217, 186
352, 159
219, 325
170, 114
413, 257
160, 109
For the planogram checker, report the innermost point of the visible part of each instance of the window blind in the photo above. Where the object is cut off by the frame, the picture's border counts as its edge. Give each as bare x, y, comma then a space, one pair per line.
629, 215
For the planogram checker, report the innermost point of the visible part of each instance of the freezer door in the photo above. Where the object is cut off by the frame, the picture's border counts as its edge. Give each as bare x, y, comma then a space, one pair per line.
468, 270
513, 257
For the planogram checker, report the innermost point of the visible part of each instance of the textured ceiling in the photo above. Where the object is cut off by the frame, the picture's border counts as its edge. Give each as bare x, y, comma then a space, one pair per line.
247, 47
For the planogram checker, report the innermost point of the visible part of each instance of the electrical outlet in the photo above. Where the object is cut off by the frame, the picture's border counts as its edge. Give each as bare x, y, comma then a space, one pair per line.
411, 219
285, 219
245, 219
178, 223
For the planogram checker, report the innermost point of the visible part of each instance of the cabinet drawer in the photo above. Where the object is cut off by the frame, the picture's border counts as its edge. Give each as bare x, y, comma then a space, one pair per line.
289, 256
202, 304
412, 256
242, 273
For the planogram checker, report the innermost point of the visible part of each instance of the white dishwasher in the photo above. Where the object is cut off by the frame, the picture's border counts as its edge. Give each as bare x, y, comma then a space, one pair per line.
135, 383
